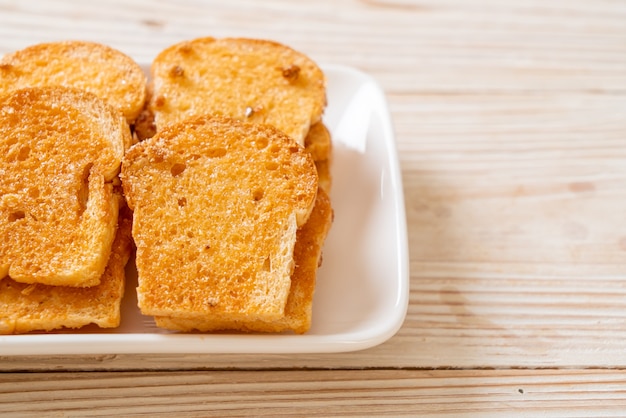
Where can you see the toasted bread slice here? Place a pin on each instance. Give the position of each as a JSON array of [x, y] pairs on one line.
[[144, 126], [60, 149], [254, 80], [99, 69], [298, 310], [325, 177], [37, 307], [217, 203], [318, 142]]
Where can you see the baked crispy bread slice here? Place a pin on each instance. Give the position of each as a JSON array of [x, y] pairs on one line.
[[324, 175], [248, 79], [298, 310], [144, 126], [318, 142], [60, 149], [217, 203], [37, 307], [99, 69]]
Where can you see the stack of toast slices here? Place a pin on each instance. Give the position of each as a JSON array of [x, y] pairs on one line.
[[216, 171]]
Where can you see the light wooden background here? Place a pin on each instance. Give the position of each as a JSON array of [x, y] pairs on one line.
[[510, 119]]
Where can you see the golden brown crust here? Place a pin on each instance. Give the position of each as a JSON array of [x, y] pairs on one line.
[[99, 69], [60, 149], [248, 79], [144, 125], [37, 307], [318, 142], [217, 203], [298, 310], [324, 175]]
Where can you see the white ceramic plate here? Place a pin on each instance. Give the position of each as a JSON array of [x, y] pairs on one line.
[[362, 289]]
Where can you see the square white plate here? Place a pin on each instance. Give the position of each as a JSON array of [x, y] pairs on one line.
[[362, 288]]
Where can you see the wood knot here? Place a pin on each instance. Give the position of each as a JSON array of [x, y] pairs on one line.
[[582, 187]]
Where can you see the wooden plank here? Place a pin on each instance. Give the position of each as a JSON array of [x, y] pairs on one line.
[[432, 46], [434, 393]]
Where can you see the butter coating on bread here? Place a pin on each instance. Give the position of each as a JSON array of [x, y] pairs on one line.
[[217, 203], [60, 150], [37, 307], [254, 80], [298, 310], [99, 69]]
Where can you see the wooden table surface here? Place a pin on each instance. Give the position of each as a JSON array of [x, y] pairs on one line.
[[510, 120]]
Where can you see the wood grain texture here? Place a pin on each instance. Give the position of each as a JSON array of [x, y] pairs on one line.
[[436, 393], [510, 119]]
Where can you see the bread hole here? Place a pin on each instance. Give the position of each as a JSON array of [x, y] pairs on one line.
[[267, 264], [24, 153], [157, 158], [182, 201], [17, 215], [177, 169], [271, 165], [177, 71], [293, 149], [33, 192], [291, 73], [185, 48], [275, 149], [83, 191], [190, 234], [261, 143], [215, 152], [195, 156], [257, 194], [159, 101]]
